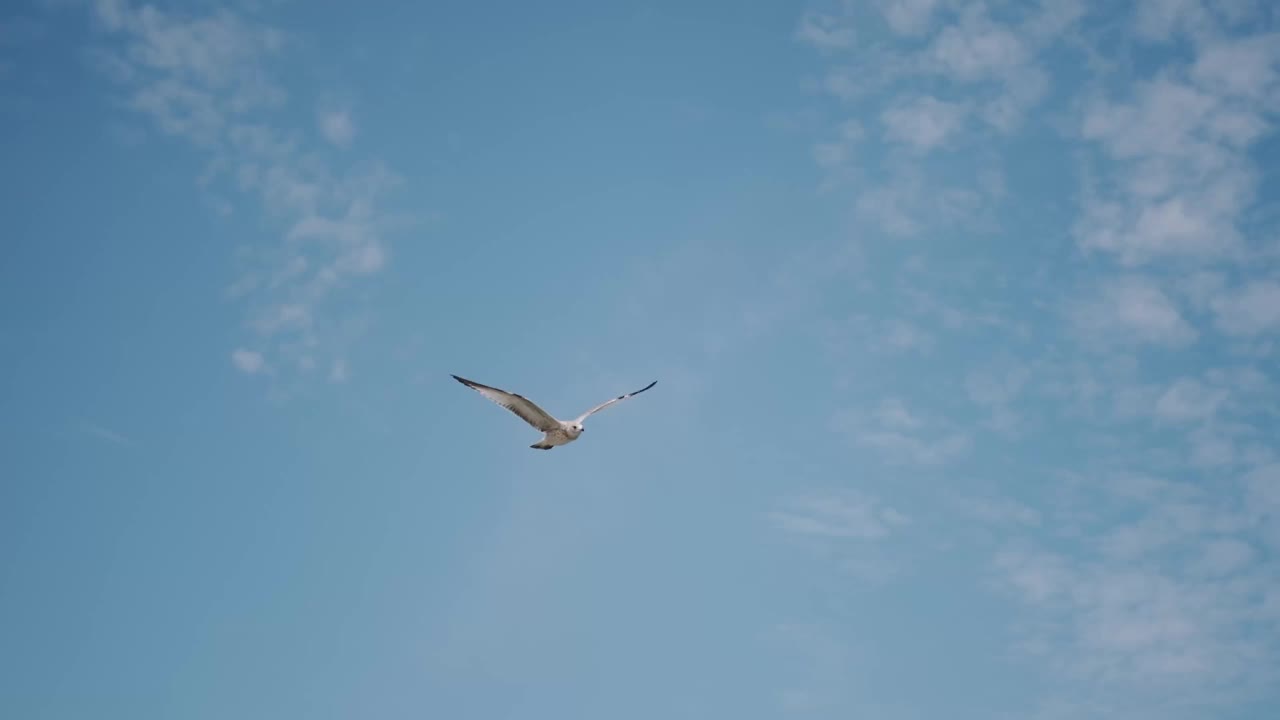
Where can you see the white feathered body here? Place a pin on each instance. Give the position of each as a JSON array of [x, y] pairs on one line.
[[562, 435]]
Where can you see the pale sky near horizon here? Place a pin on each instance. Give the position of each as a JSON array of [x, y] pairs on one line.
[[964, 318]]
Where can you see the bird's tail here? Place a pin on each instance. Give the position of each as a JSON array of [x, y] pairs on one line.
[[540, 446]]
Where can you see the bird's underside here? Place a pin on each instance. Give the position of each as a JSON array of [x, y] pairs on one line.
[[554, 432], [552, 439]]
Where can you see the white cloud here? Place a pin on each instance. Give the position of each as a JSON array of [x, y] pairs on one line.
[[1001, 511], [1023, 89], [1244, 68], [1185, 176], [1252, 309], [338, 371], [1133, 309], [338, 127], [1223, 557], [283, 318], [1189, 400], [839, 151], [1169, 639], [894, 414], [248, 362], [104, 433], [1135, 591], [997, 386], [1160, 19], [904, 436], [924, 123], [906, 205], [978, 48], [1263, 487], [873, 68], [908, 17], [1212, 449], [845, 514], [826, 32], [892, 208], [1151, 591], [913, 449], [903, 336], [205, 79], [995, 389], [1037, 576]]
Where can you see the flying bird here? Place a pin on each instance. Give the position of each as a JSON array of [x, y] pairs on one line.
[[554, 432]]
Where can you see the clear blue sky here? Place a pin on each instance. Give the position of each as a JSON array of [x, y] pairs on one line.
[[964, 318]]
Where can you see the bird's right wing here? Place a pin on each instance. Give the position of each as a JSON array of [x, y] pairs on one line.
[[607, 403], [527, 411]]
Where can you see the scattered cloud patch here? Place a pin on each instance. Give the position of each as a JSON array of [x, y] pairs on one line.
[[996, 389], [903, 436], [839, 152], [909, 205], [1133, 310], [977, 48], [104, 433], [1001, 511], [846, 514], [207, 79], [826, 32], [338, 127], [1180, 145], [338, 371], [248, 362], [1137, 394], [908, 17], [923, 123], [1189, 400], [1248, 310], [1170, 604]]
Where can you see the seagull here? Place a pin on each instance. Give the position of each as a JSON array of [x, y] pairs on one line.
[[554, 432]]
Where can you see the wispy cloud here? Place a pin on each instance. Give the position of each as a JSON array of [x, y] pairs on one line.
[[979, 52], [1248, 310], [1185, 179], [1000, 511], [922, 123], [1187, 399], [825, 31], [1133, 309], [207, 80], [996, 390], [858, 533], [909, 203], [338, 127], [1141, 568], [104, 433], [249, 362], [908, 17], [846, 514], [1164, 604], [902, 435]]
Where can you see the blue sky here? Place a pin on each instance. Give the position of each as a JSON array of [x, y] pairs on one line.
[[964, 319]]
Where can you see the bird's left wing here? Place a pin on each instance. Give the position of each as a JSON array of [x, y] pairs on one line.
[[620, 398], [517, 404]]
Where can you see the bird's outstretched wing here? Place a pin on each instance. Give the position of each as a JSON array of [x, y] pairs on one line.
[[604, 405], [527, 411]]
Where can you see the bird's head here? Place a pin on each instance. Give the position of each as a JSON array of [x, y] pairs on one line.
[[576, 428]]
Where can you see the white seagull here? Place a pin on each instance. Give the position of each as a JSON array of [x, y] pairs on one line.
[[555, 432]]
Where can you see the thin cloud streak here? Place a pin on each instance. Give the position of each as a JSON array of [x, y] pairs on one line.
[[104, 433]]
